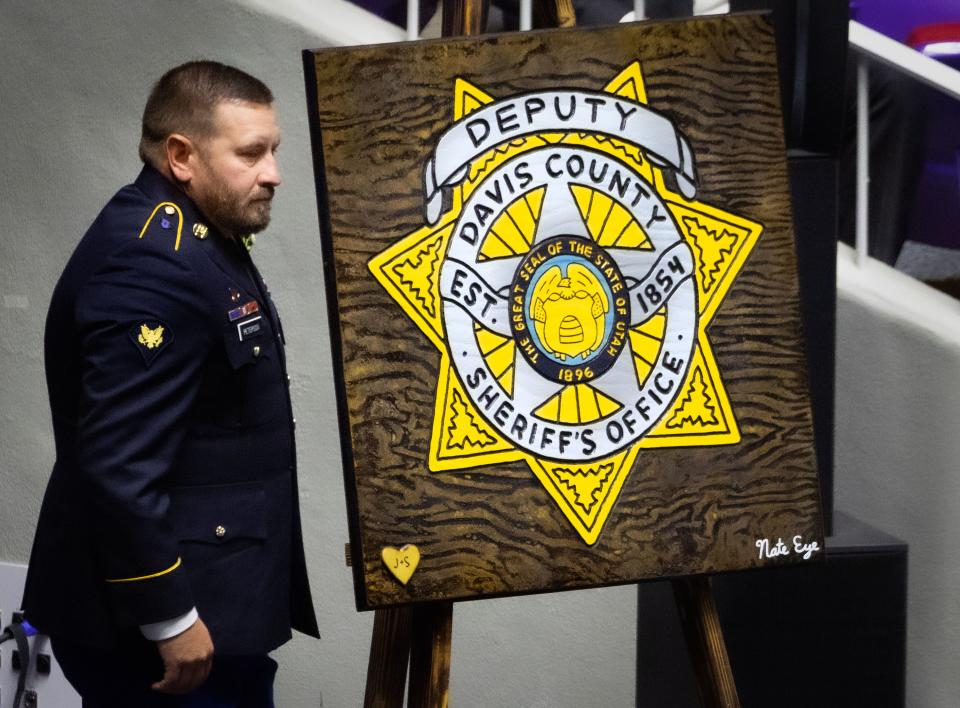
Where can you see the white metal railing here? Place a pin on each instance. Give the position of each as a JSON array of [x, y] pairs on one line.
[[871, 45], [413, 19], [526, 16]]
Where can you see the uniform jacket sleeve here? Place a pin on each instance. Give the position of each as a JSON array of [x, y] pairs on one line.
[[144, 334]]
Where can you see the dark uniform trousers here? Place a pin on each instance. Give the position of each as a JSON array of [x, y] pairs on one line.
[[234, 682], [175, 480]]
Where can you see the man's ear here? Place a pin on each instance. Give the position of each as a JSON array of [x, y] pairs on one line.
[[181, 157]]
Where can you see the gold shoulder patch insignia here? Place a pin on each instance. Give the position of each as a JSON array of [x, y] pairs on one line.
[[150, 338]]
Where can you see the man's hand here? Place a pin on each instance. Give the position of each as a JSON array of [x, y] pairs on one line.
[[187, 659]]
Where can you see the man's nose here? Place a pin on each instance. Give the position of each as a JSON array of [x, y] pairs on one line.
[[270, 175]]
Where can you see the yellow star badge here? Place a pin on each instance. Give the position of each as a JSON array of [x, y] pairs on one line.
[[568, 286]]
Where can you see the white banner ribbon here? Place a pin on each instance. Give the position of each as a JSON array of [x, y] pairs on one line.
[[555, 111], [461, 284], [658, 285]]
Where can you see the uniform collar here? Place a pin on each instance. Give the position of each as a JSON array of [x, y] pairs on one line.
[[152, 183], [155, 185]]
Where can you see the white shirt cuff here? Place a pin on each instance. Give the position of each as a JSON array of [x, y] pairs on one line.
[[155, 631]]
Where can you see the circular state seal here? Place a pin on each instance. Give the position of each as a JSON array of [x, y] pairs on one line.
[[544, 303], [570, 314]]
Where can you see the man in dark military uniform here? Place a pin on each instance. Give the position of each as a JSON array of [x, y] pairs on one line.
[[168, 558]]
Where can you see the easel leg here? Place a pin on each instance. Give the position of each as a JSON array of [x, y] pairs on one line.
[[389, 651], [701, 625], [554, 13], [464, 17], [430, 656]]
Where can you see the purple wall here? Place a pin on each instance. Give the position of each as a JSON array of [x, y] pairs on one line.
[[936, 207], [395, 11], [895, 18]]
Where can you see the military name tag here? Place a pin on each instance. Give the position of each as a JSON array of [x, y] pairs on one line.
[[250, 328]]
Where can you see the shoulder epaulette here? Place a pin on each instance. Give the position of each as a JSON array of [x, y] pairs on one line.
[[168, 213]]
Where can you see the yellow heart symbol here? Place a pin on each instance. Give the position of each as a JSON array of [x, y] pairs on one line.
[[401, 561]]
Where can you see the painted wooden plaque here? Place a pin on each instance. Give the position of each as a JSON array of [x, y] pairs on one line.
[[563, 298]]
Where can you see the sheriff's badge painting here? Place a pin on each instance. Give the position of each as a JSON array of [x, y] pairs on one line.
[[548, 305]]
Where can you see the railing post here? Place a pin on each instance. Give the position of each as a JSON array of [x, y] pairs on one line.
[[526, 14], [863, 158], [413, 19]]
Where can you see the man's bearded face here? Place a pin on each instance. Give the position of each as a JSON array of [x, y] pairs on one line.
[[236, 171]]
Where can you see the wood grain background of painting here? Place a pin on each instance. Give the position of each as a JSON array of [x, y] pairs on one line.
[[493, 530]]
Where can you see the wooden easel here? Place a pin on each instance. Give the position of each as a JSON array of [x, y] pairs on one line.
[[422, 635]]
